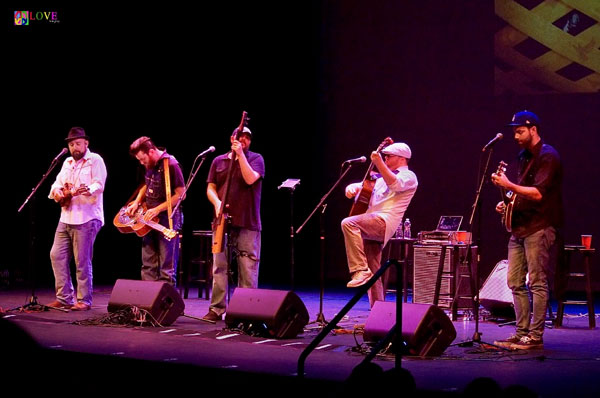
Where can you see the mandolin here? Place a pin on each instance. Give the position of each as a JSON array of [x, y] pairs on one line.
[[362, 199], [69, 193]]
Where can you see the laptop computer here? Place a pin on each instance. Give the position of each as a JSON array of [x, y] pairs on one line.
[[449, 223]]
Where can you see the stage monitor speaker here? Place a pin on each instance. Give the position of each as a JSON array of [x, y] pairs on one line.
[[495, 296], [276, 313], [160, 299], [426, 329]]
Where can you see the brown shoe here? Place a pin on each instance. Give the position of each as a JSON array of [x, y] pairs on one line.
[[212, 316], [58, 304], [81, 307]]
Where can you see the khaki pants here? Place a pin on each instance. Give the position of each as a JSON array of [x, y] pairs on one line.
[[364, 235]]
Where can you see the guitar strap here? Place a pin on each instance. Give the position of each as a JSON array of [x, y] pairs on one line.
[[522, 177], [168, 190]]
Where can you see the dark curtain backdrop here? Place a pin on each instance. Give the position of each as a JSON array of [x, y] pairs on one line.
[[322, 81]]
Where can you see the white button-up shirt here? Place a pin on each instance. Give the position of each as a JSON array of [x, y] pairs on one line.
[[91, 171], [391, 201]]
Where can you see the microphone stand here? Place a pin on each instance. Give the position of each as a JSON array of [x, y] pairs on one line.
[[290, 184], [475, 268], [320, 317], [33, 301]]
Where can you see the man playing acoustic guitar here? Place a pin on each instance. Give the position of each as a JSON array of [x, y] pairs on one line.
[[81, 217], [159, 254], [366, 234], [536, 219]]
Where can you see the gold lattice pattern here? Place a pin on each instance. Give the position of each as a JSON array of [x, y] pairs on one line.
[[547, 46]]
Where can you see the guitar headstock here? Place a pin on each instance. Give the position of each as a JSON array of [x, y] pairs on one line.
[[169, 233], [243, 123], [501, 168], [386, 142]]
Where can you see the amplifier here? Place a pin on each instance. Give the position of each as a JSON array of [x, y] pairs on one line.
[[426, 263]]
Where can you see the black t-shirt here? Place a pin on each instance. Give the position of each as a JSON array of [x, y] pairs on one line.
[[156, 192], [244, 199], [546, 175]]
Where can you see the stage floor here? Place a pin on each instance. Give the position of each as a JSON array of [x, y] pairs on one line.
[[200, 354]]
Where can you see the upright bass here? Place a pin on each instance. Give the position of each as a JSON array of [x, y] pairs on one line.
[[220, 223]]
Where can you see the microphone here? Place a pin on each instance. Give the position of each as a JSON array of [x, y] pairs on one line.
[[209, 150], [64, 150], [497, 138], [361, 159]]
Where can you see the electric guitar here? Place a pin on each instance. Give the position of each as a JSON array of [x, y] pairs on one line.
[[220, 222], [509, 198], [362, 199], [136, 223]]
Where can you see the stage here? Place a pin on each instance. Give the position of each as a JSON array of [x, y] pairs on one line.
[[192, 355]]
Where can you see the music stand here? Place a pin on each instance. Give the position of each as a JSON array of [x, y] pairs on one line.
[[33, 301], [320, 317], [290, 184]]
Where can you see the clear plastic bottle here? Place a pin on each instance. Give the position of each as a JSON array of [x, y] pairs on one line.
[[400, 231], [407, 234]]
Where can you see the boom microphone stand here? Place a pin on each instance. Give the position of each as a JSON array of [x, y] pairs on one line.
[[475, 269], [33, 301], [323, 206]]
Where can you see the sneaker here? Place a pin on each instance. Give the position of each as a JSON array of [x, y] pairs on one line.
[[359, 278], [528, 343], [507, 343], [212, 316]]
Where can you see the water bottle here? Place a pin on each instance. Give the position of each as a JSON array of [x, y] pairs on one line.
[[400, 231], [407, 229]]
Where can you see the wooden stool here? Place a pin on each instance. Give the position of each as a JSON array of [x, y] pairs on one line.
[[586, 255], [199, 267]]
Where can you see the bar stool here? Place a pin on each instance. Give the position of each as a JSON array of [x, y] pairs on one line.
[[199, 267], [398, 249], [461, 269], [586, 256]]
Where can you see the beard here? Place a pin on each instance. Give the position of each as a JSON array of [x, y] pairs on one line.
[[77, 155]]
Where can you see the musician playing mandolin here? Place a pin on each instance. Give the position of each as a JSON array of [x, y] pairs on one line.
[[366, 234], [159, 254], [536, 220], [81, 217], [243, 210]]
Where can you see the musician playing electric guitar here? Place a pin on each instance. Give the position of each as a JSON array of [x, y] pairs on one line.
[[241, 206], [537, 217], [164, 184], [366, 234]]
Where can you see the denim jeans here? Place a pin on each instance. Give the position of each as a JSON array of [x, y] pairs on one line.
[[246, 246], [159, 257], [363, 236], [74, 241], [532, 255]]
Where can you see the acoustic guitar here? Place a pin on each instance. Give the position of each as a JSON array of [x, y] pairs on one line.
[[509, 198], [362, 199], [220, 222], [136, 223]]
